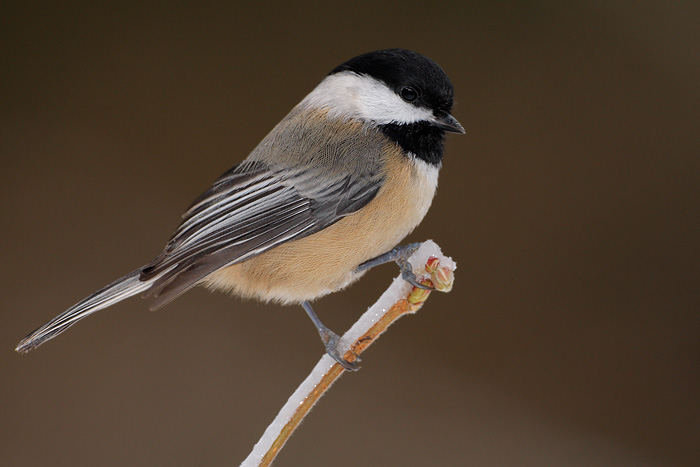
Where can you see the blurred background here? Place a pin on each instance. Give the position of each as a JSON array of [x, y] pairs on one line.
[[571, 206]]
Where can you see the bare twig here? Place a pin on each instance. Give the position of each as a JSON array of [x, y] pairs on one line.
[[399, 299]]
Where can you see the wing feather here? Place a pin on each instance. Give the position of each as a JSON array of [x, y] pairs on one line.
[[247, 213], [297, 181]]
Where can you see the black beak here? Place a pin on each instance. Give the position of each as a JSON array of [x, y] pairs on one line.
[[448, 123]]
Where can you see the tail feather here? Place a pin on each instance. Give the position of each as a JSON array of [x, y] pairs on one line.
[[117, 291]]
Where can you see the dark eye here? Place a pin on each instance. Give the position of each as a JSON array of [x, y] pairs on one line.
[[409, 94]]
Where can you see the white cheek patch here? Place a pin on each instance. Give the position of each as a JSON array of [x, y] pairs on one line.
[[348, 95]]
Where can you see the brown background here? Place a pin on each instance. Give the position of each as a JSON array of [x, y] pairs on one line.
[[571, 205]]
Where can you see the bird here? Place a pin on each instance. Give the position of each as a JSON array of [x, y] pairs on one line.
[[330, 192]]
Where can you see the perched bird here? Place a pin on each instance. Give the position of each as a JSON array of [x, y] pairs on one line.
[[327, 194]]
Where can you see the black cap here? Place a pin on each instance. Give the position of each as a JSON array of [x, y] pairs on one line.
[[401, 68]]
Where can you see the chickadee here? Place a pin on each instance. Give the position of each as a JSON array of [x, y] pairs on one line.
[[327, 194]]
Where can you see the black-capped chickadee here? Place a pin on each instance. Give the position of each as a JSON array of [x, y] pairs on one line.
[[328, 193]]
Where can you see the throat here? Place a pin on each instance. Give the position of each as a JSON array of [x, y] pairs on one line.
[[422, 139]]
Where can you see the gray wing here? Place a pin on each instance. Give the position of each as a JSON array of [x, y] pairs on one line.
[[249, 210]]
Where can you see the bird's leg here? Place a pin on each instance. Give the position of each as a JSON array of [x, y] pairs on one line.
[[330, 340], [400, 256]]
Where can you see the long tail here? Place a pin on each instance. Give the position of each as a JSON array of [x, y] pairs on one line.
[[117, 291]]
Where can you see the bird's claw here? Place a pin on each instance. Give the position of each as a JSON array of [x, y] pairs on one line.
[[400, 255], [408, 275], [331, 339]]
